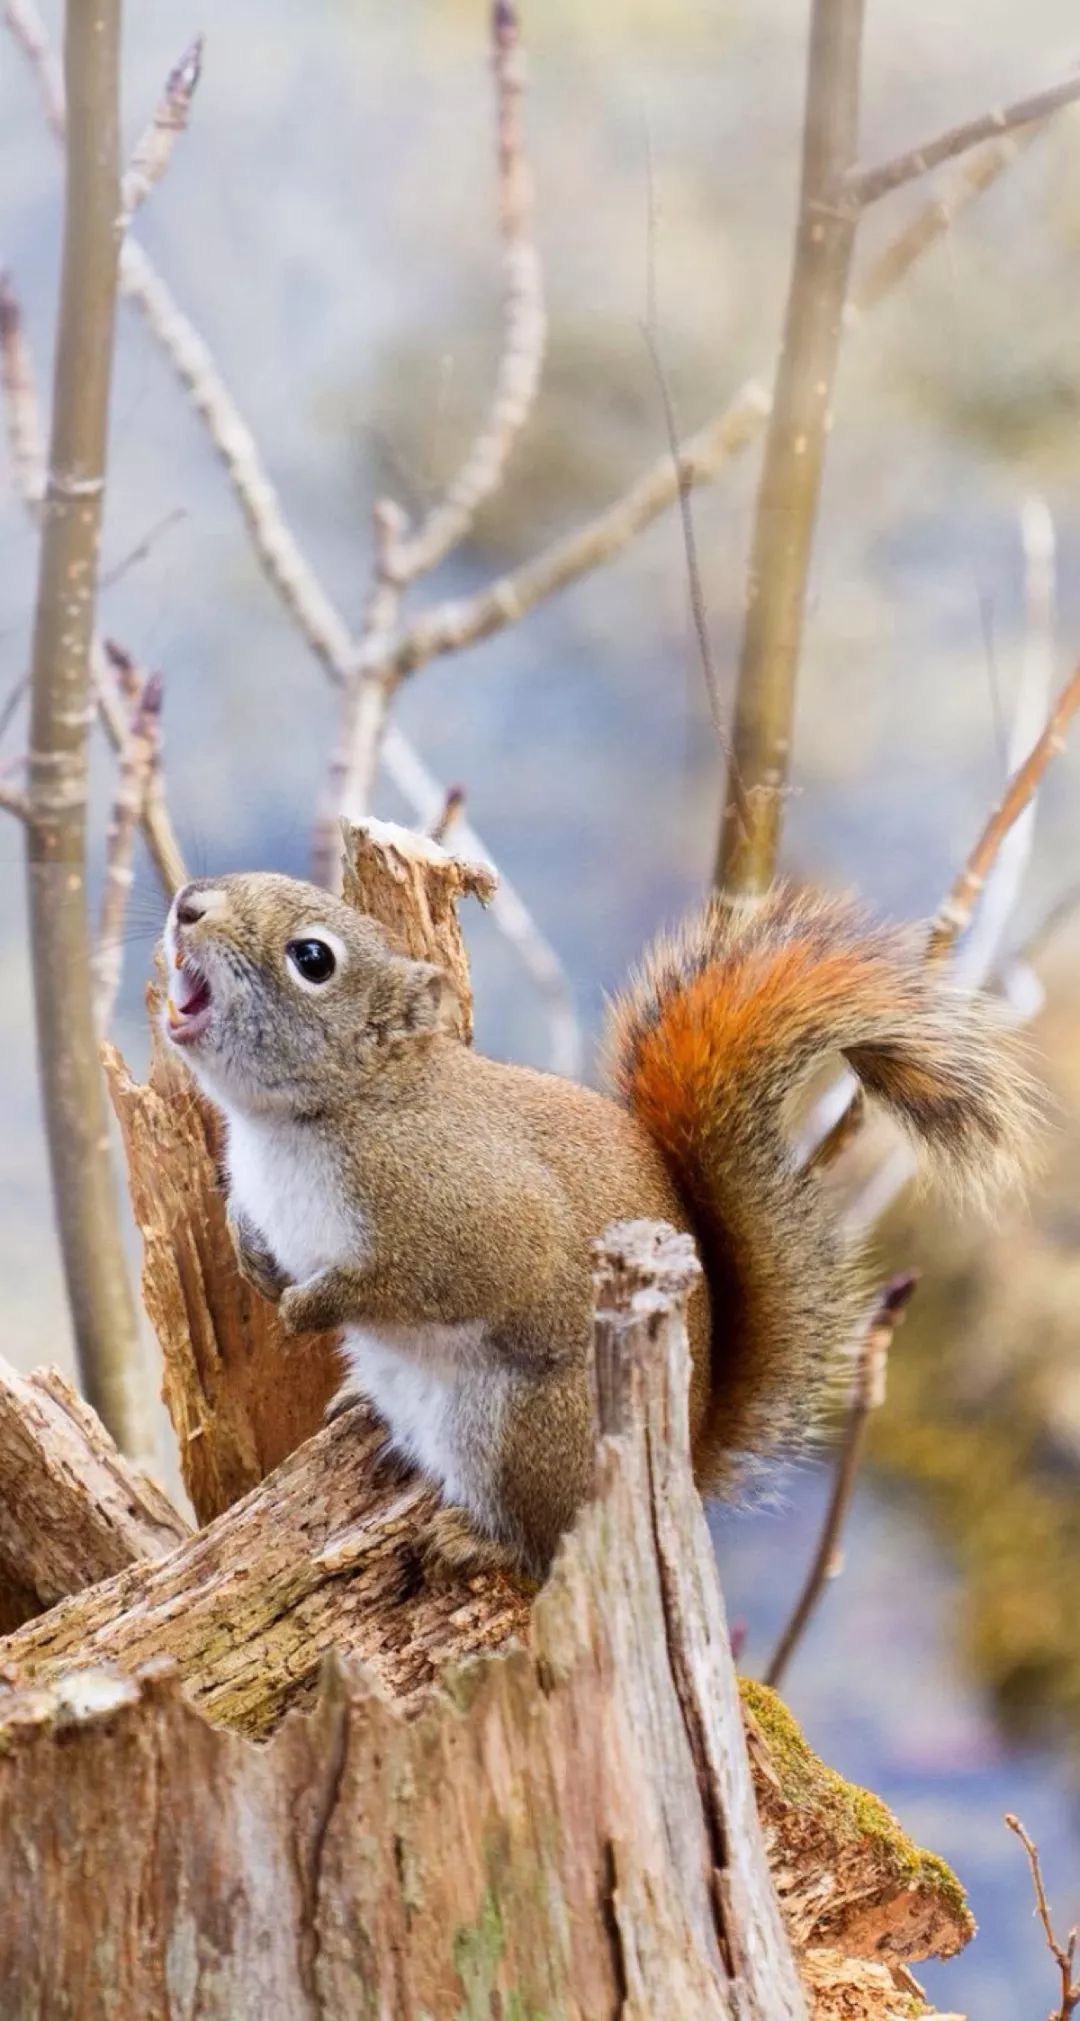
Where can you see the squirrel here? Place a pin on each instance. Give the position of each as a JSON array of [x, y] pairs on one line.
[[440, 1207]]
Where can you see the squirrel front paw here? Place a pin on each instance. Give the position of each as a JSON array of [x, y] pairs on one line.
[[254, 1261], [322, 1302]]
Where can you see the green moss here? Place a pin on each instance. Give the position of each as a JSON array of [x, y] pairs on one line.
[[847, 1810], [478, 1947]]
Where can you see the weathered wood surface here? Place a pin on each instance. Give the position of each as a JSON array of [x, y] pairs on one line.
[[568, 1820], [72, 1508], [413, 887]]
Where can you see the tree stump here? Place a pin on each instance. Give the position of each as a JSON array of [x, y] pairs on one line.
[[282, 1769]]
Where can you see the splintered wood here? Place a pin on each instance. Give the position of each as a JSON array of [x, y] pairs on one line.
[[576, 1798], [73, 1510]]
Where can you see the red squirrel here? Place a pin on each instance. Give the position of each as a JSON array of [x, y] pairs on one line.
[[440, 1207]]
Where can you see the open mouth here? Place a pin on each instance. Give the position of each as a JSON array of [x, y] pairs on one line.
[[189, 1003]]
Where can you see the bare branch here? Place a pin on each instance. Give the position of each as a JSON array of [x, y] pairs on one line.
[[21, 409], [28, 29], [1064, 1955], [453, 808], [957, 908], [154, 147], [506, 907], [703, 456], [863, 186], [293, 578], [110, 664], [10, 708], [103, 1312], [983, 943], [839, 1114], [350, 776], [17, 382], [867, 1393], [465, 621], [518, 374], [12, 801], [399, 558], [319, 622], [136, 765], [839, 1134], [794, 459]]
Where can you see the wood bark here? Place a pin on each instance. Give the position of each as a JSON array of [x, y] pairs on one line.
[[73, 1510], [564, 1825]]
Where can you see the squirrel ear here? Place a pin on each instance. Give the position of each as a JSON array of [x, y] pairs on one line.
[[429, 1001]]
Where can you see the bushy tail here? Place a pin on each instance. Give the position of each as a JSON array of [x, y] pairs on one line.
[[721, 1025]]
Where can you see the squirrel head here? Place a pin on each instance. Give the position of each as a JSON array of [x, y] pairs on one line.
[[283, 998]]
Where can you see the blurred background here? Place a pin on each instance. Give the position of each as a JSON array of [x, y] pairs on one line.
[[329, 223]]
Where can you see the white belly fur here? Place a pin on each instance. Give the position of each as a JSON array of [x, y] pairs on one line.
[[417, 1377], [281, 1177], [283, 1180]]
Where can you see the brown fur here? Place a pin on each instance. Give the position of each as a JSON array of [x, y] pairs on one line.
[[477, 1188], [713, 1037]]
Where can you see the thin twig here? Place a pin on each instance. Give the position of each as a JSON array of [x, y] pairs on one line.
[[841, 1133], [976, 957], [21, 408], [864, 186], [465, 621], [153, 149], [1064, 1955], [102, 1308], [955, 912], [453, 809], [23, 422], [113, 668], [320, 623], [794, 459], [29, 31], [651, 333], [350, 776], [110, 576], [11, 706], [279, 554], [876, 1194], [867, 1393], [14, 802], [703, 456], [136, 765], [521, 359], [400, 558], [934, 218]]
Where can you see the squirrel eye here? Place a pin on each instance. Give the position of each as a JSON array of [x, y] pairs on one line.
[[312, 959]]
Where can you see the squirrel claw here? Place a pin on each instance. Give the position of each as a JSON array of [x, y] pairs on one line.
[[344, 1399], [452, 1545], [255, 1264]]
